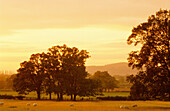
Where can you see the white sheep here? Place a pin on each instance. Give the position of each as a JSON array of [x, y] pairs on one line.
[[28, 104], [35, 104], [121, 107], [135, 105], [1, 103], [72, 104], [126, 107]]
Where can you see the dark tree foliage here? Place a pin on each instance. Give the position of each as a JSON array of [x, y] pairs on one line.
[[60, 71], [106, 80], [30, 76], [153, 81], [72, 69], [138, 89], [24, 73], [51, 70], [89, 87]]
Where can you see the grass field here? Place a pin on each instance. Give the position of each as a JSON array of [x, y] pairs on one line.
[[44, 96], [117, 94], [16, 105]]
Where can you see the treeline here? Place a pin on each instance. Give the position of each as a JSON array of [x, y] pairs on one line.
[[106, 82], [61, 70]]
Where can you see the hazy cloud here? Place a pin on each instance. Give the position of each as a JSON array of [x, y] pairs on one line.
[[99, 26], [33, 14]]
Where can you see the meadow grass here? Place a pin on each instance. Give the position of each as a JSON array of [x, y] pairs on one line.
[[124, 94], [17, 105], [46, 105], [33, 95]]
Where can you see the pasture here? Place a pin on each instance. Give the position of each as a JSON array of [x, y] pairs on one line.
[[44, 96], [17, 105]]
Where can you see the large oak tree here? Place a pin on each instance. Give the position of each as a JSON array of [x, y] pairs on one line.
[[153, 58]]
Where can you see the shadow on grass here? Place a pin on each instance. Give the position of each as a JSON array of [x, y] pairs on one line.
[[158, 107]]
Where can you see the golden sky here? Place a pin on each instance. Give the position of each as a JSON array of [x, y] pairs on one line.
[[99, 26]]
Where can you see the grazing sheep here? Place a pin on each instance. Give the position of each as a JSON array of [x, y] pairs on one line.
[[28, 104], [121, 107], [35, 104], [1, 103], [72, 104], [135, 105], [12, 107], [126, 107]]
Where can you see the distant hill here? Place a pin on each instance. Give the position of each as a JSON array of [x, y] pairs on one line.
[[121, 68]]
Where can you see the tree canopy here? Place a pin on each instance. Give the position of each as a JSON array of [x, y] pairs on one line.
[[105, 80], [61, 71], [153, 58], [30, 76]]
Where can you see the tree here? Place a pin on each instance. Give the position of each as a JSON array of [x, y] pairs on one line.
[[61, 71], [138, 89], [51, 67], [30, 76], [107, 81], [72, 69], [89, 87], [153, 59]]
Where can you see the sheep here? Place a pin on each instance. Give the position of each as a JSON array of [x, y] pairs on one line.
[[72, 104], [121, 107], [135, 105], [126, 107], [1, 103], [35, 104], [28, 104], [12, 107]]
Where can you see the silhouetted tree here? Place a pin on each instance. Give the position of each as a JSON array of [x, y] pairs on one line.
[[61, 71], [57, 54], [107, 81], [154, 55], [51, 69], [89, 87], [72, 68], [138, 89], [30, 76]]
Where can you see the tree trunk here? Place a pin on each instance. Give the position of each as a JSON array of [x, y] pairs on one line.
[[50, 95], [38, 95], [71, 97], [61, 96], [58, 96], [75, 97]]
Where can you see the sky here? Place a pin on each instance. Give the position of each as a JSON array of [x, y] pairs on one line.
[[99, 26]]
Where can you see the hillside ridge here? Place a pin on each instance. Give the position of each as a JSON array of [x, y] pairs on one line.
[[120, 68]]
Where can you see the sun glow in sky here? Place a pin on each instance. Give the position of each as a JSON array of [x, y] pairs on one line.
[[99, 26]]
